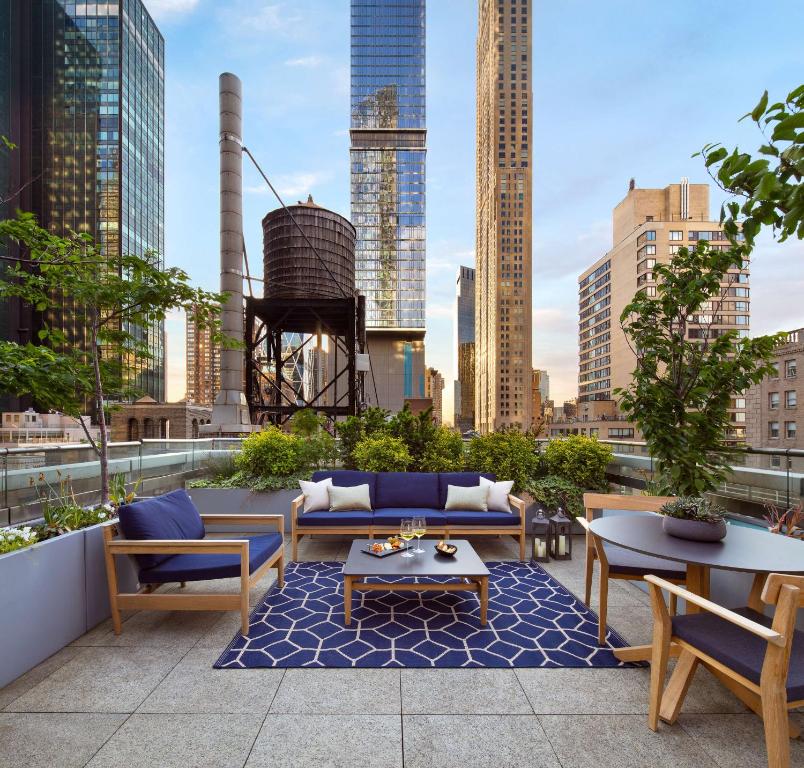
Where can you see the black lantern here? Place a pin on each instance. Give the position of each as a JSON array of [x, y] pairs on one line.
[[541, 537], [560, 536]]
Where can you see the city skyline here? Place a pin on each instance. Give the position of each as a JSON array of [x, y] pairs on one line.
[[294, 61]]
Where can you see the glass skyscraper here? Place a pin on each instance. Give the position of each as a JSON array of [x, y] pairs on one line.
[[388, 135], [82, 95]]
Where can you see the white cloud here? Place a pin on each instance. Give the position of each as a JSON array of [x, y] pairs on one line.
[[259, 18], [161, 9], [292, 185], [304, 62]]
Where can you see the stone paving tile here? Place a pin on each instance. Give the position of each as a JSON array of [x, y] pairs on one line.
[[193, 686], [462, 691], [476, 741], [180, 741], [735, 741], [100, 680], [621, 741], [614, 691], [53, 740], [36, 675], [221, 633], [334, 741], [339, 691]]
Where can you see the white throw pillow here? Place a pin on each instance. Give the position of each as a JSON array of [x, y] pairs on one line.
[[342, 498], [316, 495], [498, 493], [473, 498]]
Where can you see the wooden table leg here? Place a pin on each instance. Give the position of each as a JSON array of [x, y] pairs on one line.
[[484, 598], [347, 600], [697, 582]]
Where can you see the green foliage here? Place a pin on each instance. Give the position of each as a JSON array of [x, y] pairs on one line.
[[318, 445], [581, 460], [61, 512], [12, 539], [768, 188], [554, 491], [241, 479], [306, 423], [681, 389], [271, 453], [694, 508], [354, 428], [443, 453], [382, 453], [510, 455]]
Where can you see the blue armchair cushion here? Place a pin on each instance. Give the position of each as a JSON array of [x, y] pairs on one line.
[[393, 515], [348, 478], [325, 518], [473, 517], [200, 567], [628, 563], [407, 489], [170, 516], [464, 479], [740, 650]]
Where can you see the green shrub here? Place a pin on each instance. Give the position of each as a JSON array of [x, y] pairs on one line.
[[553, 492], [318, 445], [510, 455], [443, 453], [271, 452], [381, 453], [581, 460], [354, 428]]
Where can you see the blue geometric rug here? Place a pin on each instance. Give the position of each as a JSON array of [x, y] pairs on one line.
[[533, 621]]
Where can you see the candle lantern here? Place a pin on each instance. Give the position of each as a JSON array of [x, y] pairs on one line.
[[541, 537], [560, 536]]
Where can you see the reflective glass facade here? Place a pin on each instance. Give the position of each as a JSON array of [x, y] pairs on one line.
[[388, 159]]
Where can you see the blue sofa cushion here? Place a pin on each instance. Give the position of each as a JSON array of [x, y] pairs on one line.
[[464, 479], [473, 517], [200, 567], [393, 515], [324, 518], [348, 478], [407, 489], [170, 516], [629, 563], [740, 650]]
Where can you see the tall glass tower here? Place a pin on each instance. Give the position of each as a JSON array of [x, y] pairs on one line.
[[82, 95], [388, 135]]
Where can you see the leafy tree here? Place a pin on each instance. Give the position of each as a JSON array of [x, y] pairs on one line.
[[417, 431], [770, 185], [681, 389], [579, 459], [382, 453], [354, 428], [319, 445], [444, 452], [118, 295], [509, 454]]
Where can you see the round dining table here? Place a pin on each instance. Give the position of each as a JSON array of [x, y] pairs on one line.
[[743, 549]]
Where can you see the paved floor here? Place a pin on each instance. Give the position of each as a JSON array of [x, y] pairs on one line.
[[150, 698]]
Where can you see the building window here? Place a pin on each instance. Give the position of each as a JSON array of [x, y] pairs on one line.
[[790, 430], [621, 432], [676, 234], [790, 369], [775, 374], [773, 429], [790, 399], [773, 400]]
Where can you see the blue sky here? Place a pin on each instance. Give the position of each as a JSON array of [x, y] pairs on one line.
[[621, 89]]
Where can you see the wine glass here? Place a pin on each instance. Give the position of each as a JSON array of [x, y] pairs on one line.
[[406, 533], [419, 529]]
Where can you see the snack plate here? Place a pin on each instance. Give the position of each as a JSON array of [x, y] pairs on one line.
[[385, 552], [451, 553]]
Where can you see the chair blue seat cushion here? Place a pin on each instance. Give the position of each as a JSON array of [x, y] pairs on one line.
[[393, 516], [170, 516], [463, 479], [629, 563], [348, 478], [200, 567], [738, 649], [473, 517], [324, 518], [407, 489]]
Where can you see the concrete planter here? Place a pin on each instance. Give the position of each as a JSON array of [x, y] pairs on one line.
[[242, 501]]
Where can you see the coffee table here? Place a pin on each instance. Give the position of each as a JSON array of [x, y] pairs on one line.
[[465, 565]]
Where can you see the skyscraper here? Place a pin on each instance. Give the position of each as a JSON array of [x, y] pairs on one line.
[[465, 349], [433, 388], [203, 364], [388, 134], [649, 226], [82, 96], [503, 311]]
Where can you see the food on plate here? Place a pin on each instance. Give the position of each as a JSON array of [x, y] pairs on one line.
[[377, 548], [395, 542], [445, 548]]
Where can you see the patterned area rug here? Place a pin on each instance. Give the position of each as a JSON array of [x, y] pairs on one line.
[[533, 621]]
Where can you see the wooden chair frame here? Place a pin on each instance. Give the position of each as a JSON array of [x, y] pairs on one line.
[[456, 531], [769, 698], [596, 551], [148, 599]]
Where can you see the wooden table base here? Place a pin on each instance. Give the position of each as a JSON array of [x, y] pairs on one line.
[[479, 584]]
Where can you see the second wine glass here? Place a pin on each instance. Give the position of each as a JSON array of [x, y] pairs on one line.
[[419, 529], [406, 533]]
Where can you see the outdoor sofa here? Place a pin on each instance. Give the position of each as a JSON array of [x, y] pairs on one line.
[[398, 495]]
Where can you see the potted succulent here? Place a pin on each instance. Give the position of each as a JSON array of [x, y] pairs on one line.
[[694, 518]]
